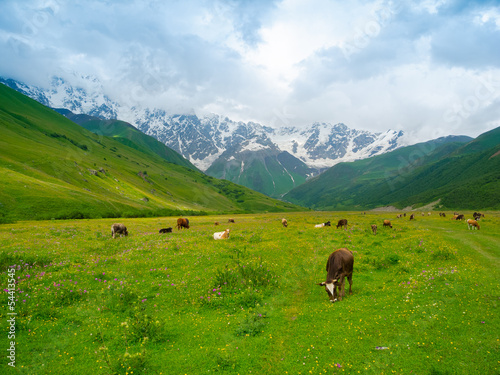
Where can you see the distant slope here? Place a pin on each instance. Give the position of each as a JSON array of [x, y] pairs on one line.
[[461, 175], [51, 167], [269, 170], [127, 134]]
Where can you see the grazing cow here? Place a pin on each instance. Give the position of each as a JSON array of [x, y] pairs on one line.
[[182, 223], [221, 235], [460, 217], [374, 229], [412, 216], [342, 223], [387, 223], [118, 229], [216, 223], [339, 266], [327, 224], [230, 221], [166, 230], [477, 215], [473, 224], [284, 222], [404, 214], [442, 214], [399, 216]]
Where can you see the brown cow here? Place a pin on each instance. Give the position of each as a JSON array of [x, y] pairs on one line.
[[216, 223], [340, 265], [230, 221], [166, 230], [342, 223], [374, 229], [473, 224], [460, 217], [182, 223], [477, 215], [284, 222], [118, 229], [387, 223]]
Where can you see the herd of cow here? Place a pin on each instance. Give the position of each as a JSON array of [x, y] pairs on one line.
[[340, 263]]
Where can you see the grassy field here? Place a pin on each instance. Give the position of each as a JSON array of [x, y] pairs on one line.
[[425, 296]]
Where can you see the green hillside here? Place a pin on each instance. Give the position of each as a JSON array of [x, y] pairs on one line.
[[268, 171], [51, 167], [460, 175], [127, 134]]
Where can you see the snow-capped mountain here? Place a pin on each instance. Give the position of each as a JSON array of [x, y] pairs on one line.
[[203, 140], [243, 152]]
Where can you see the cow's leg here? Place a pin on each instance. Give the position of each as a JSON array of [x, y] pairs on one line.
[[341, 290], [349, 278]]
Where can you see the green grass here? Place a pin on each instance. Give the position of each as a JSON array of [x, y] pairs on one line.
[[182, 303]]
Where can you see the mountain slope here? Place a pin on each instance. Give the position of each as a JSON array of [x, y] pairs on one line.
[[51, 167], [127, 134], [413, 175], [262, 167]]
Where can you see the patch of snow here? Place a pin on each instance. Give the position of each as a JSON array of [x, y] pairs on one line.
[[253, 146]]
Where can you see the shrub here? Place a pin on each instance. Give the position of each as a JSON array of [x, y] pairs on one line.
[[392, 259], [252, 325], [443, 254]]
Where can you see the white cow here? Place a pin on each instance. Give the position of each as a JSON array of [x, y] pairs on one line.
[[327, 224], [221, 235]]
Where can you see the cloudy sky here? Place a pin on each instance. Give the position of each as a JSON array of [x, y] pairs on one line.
[[429, 67]]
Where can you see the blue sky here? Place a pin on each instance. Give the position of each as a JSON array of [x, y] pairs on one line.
[[430, 68]]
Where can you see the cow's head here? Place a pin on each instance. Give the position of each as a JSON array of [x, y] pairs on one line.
[[126, 233], [330, 288], [328, 224]]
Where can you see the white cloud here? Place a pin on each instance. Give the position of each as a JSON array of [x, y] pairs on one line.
[[373, 65]]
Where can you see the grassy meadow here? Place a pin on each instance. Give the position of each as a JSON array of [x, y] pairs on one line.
[[425, 296]]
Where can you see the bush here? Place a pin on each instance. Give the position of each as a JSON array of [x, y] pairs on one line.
[[252, 325], [392, 259], [443, 254]]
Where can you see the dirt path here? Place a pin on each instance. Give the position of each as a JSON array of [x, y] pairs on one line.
[[482, 243]]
